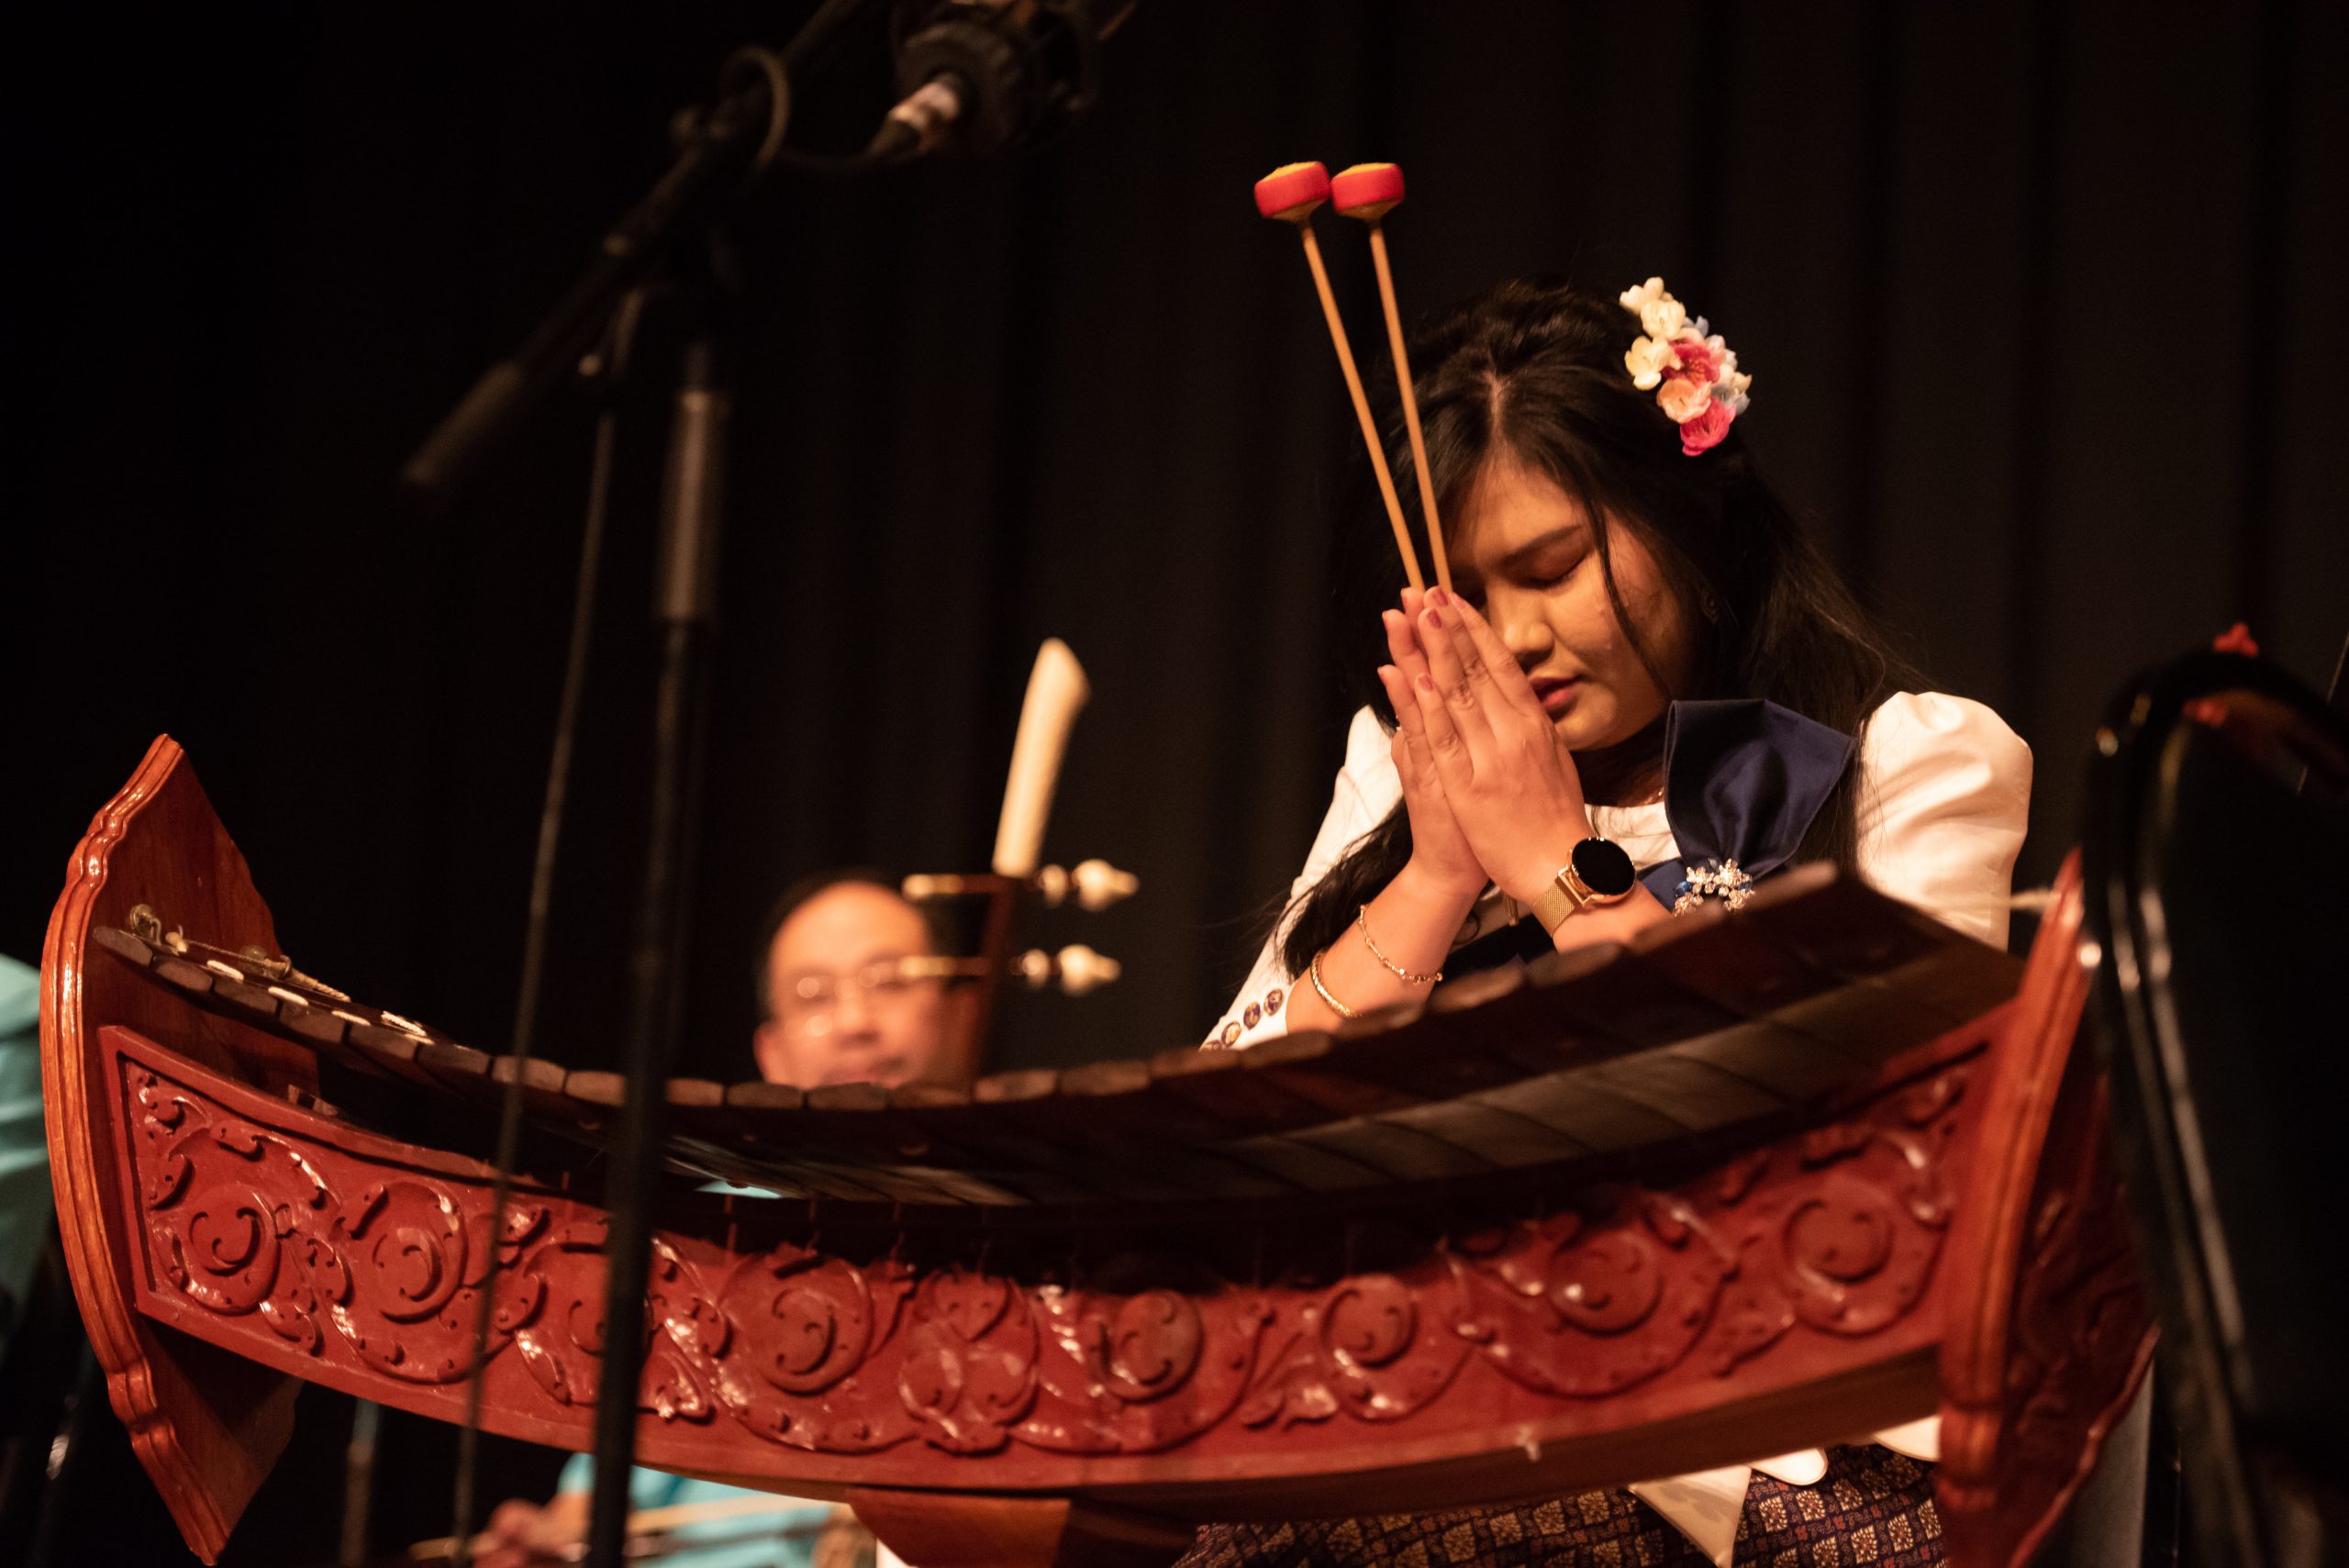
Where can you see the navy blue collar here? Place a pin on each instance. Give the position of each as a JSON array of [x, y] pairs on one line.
[[1743, 780]]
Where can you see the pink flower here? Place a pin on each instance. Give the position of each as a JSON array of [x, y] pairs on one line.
[[1697, 360], [1685, 399], [1707, 429]]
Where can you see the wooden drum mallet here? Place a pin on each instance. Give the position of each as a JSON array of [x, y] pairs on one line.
[[1369, 192], [1290, 193]]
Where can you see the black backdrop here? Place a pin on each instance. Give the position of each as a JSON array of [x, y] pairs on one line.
[[2041, 300]]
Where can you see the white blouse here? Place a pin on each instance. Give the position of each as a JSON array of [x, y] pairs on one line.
[[1944, 797]]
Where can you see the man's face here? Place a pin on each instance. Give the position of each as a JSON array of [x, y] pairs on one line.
[[837, 1011]]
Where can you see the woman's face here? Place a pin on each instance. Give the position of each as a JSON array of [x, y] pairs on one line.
[[1522, 550]]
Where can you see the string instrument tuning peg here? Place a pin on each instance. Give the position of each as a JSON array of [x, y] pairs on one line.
[[1097, 884], [1077, 968]]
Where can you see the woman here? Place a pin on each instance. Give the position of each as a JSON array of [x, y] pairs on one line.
[[1649, 690]]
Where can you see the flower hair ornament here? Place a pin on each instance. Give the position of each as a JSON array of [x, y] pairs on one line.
[[1694, 374]]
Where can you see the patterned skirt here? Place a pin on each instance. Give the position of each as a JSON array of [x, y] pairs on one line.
[[1872, 1509]]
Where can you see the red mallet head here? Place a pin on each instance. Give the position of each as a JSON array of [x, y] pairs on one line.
[[1368, 191], [1292, 191]]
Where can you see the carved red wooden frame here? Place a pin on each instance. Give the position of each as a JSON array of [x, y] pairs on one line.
[[1789, 1287]]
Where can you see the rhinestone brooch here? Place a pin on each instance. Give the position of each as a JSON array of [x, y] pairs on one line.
[[1724, 879]]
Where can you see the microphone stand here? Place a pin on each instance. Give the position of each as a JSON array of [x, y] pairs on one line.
[[722, 152], [685, 598]]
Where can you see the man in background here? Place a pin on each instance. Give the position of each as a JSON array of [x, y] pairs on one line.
[[853, 989]]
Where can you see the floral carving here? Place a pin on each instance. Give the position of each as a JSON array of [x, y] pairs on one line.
[[1593, 1306], [1365, 1347], [970, 1366], [2081, 1318], [1141, 1373], [555, 1316], [381, 1268]]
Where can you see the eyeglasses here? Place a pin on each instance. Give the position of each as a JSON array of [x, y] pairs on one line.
[[885, 984]]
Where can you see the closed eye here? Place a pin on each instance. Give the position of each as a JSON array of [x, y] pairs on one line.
[[1550, 573], [1549, 561]]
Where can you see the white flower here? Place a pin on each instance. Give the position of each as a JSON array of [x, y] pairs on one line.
[[1663, 317], [1654, 362], [1639, 298], [1647, 359]]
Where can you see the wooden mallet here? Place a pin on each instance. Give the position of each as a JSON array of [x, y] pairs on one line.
[[1369, 192], [1290, 193]]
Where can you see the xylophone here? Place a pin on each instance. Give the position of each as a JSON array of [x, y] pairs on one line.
[[1758, 1181]]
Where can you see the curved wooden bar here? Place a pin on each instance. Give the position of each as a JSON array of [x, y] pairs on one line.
[[1635, 1213], [208, 1426], [2048, 1343]]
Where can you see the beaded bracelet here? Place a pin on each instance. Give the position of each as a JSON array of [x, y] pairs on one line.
[[1362, 919]]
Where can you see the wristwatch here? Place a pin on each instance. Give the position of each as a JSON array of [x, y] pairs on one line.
[[1600, 872]]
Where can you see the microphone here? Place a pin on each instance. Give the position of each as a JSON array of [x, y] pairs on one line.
[[987, 76]]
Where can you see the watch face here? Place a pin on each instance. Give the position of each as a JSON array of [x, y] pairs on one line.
[[1604, 868]]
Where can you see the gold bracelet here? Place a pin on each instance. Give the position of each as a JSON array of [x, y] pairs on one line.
[[1313, 972], [1361, 918]]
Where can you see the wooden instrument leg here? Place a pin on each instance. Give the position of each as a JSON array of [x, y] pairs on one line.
[[945, 1530], [2048, 1328]]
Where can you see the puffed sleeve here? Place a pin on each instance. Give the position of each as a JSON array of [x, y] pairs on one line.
[[1946, 796], [1366, 790]]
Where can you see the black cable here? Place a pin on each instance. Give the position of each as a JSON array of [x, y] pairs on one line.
[[607, 368]]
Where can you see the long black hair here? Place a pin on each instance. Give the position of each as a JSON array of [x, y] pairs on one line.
[[1534, 370]]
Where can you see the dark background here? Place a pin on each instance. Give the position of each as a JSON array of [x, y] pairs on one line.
[[2042, 302]]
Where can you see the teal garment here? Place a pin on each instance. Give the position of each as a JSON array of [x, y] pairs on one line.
[[737, 1542], [25, 1206]]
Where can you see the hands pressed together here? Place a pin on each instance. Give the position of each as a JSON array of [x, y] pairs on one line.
[[1493, 795], [1491, 792]]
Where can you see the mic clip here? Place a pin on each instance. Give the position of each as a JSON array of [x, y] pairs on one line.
[[984, 76]]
